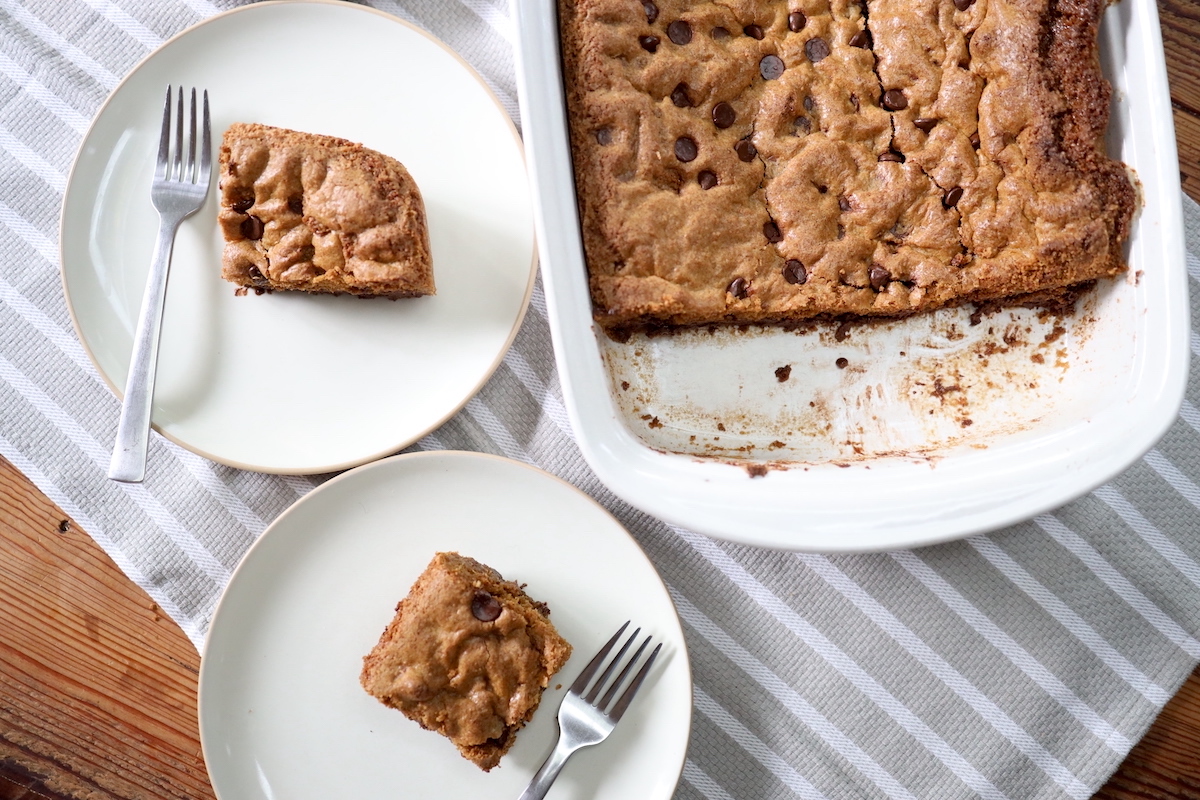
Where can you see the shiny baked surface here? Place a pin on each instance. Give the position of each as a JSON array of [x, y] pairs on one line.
[[769, 161]]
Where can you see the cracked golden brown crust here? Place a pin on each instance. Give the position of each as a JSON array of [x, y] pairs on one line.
[[876, 210], [315, 213], [476, 682]]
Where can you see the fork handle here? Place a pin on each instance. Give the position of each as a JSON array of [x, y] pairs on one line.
[[128, 462], [546, 774]]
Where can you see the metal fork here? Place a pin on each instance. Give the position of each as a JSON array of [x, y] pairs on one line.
[[584, 721], [178, 191]]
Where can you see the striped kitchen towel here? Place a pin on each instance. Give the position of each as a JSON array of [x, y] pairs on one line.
[[1020, 664]]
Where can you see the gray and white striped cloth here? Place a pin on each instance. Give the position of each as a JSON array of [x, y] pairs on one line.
[[1021, 664]]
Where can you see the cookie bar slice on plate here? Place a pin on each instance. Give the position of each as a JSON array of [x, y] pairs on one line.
[[468, 654], [315, 213]]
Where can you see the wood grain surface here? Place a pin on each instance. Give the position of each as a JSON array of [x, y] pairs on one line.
[[98, 686], [1181, 41]]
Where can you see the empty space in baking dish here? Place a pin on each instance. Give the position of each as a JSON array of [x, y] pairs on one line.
[[913, 387]]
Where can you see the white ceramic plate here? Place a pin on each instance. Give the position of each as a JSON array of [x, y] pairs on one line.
[[281, 712], [933, 428], [287, 382]]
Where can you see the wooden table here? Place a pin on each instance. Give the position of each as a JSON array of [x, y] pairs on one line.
[[98, 686]]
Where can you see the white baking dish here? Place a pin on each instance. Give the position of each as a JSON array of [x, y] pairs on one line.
[[932, 428]]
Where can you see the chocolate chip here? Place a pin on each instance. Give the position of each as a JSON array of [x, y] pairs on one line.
[[844, 202], [879, 276], [484, 607], [816, 49], [797, 21], [842, 363], [894, 100], [723, 115], [861, 39], [925, 123], [739, 288], [746, 150], [604, 136], [296, 204], [809, 103], [772, 232], [952, 197], [707, 179], [685, 148], [243, 203], [771, 67], [794, 272], [783, 373], [754, 32], [892, 155], [651, 11], [963, 5], [854, 101], [680, 32], [975, 140], [257, 278], [720, 34], [803, 124], [648, 43], [679, 96], [252, 228]]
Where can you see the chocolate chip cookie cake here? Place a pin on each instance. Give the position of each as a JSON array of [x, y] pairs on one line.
[[468, 655], [779, 160], [315, 213]]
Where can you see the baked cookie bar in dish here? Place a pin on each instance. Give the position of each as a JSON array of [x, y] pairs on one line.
[[779, 160], [319, 214], [468, 655]]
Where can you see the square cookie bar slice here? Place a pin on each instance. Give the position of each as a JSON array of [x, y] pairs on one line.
[[467, 655], [315, 213]]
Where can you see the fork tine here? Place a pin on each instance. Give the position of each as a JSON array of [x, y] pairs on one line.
[[177, 171], [616, 684], [582, 681], [189, 174], [164, 140], [603, 679], [205, 145], [634, 685]]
